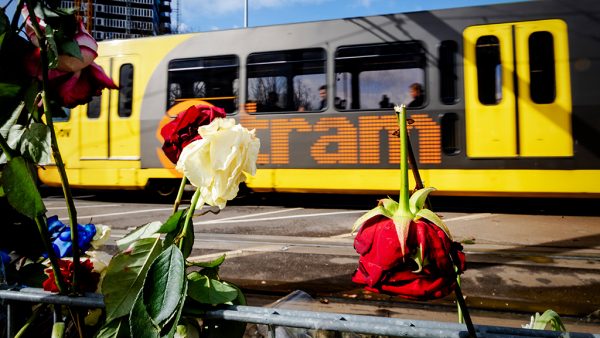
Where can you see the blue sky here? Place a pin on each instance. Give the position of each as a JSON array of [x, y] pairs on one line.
[[207, 15]]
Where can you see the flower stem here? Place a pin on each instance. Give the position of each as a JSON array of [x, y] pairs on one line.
[[55, 150], [43, 229], [404, 195], [179, 194], [34, 316], [188, 217]]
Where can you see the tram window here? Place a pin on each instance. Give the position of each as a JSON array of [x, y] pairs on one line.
[[93, 107], [489, 69], [285, 80], [125, 90], [447, 65], [212, 79], [541, 67], [378, 76]]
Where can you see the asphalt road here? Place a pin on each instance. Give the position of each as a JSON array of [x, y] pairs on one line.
[[524, 255]]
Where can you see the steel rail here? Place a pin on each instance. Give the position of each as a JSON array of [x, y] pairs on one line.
[[312, 320]]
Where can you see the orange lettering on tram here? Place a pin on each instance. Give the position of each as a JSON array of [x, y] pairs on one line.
[[369, 131], [430, 139], [280, 137], [340, 147], [251, 122]]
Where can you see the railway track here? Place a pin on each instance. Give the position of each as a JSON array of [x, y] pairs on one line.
[[518, 263]]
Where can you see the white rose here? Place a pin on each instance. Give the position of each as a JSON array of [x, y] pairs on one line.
[[220, 161], [102, 235]]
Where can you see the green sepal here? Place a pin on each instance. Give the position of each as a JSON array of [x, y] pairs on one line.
[[418, 198], [387, 207], [420, 259], [435, 219], [548, 317], [402, 224]]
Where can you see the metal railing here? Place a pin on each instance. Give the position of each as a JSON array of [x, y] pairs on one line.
[[312, 320]]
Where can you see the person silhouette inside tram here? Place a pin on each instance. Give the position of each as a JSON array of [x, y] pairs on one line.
[[416, 92]]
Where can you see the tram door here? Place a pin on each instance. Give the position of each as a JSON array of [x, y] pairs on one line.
[[517, 90], [109, 129]]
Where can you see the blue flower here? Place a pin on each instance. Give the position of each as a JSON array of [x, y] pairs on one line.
[[60, 235], [5, 257]]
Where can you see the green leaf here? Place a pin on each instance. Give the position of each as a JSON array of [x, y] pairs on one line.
[[386, 208], [70, 47], [125, 276], [150, 229], [33, 275], [9, 89], [209, 291], [35, 143], [212, 264], [52, 47], [13, 140], [140, 323], [20, 189], [144, 231], [172, 325], [173, 222], [402, 224], [12, 120], [418, 198], [117, 328], [435, 219], [163, 288]]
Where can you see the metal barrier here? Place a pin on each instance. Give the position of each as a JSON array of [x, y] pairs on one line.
[[328, 321]]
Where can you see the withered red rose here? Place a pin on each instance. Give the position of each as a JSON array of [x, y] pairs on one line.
[[87, 278], [384, 268], [71, 88], [183, 130]]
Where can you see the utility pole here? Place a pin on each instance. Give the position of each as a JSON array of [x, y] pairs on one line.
[[245, 13]]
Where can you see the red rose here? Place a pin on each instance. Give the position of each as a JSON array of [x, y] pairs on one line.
[[383, 267], [79, 87], [88, 279], [71, 89], [183, 130]]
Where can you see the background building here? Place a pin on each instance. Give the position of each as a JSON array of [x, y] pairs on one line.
[[122, 19]]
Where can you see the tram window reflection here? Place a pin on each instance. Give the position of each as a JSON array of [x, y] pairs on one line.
[[285, 81], [211, 79], [377, 76]]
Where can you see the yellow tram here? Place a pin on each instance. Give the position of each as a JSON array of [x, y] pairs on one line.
[[510, 102]]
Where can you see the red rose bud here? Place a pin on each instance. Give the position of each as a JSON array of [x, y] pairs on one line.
[[87, 279], [183, 130]]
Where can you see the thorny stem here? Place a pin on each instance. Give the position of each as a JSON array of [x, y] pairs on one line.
[[43, 229], [179, 194], [56, 152], [188, 217]]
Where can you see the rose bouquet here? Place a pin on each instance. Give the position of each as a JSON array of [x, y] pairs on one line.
[[150, 288]]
